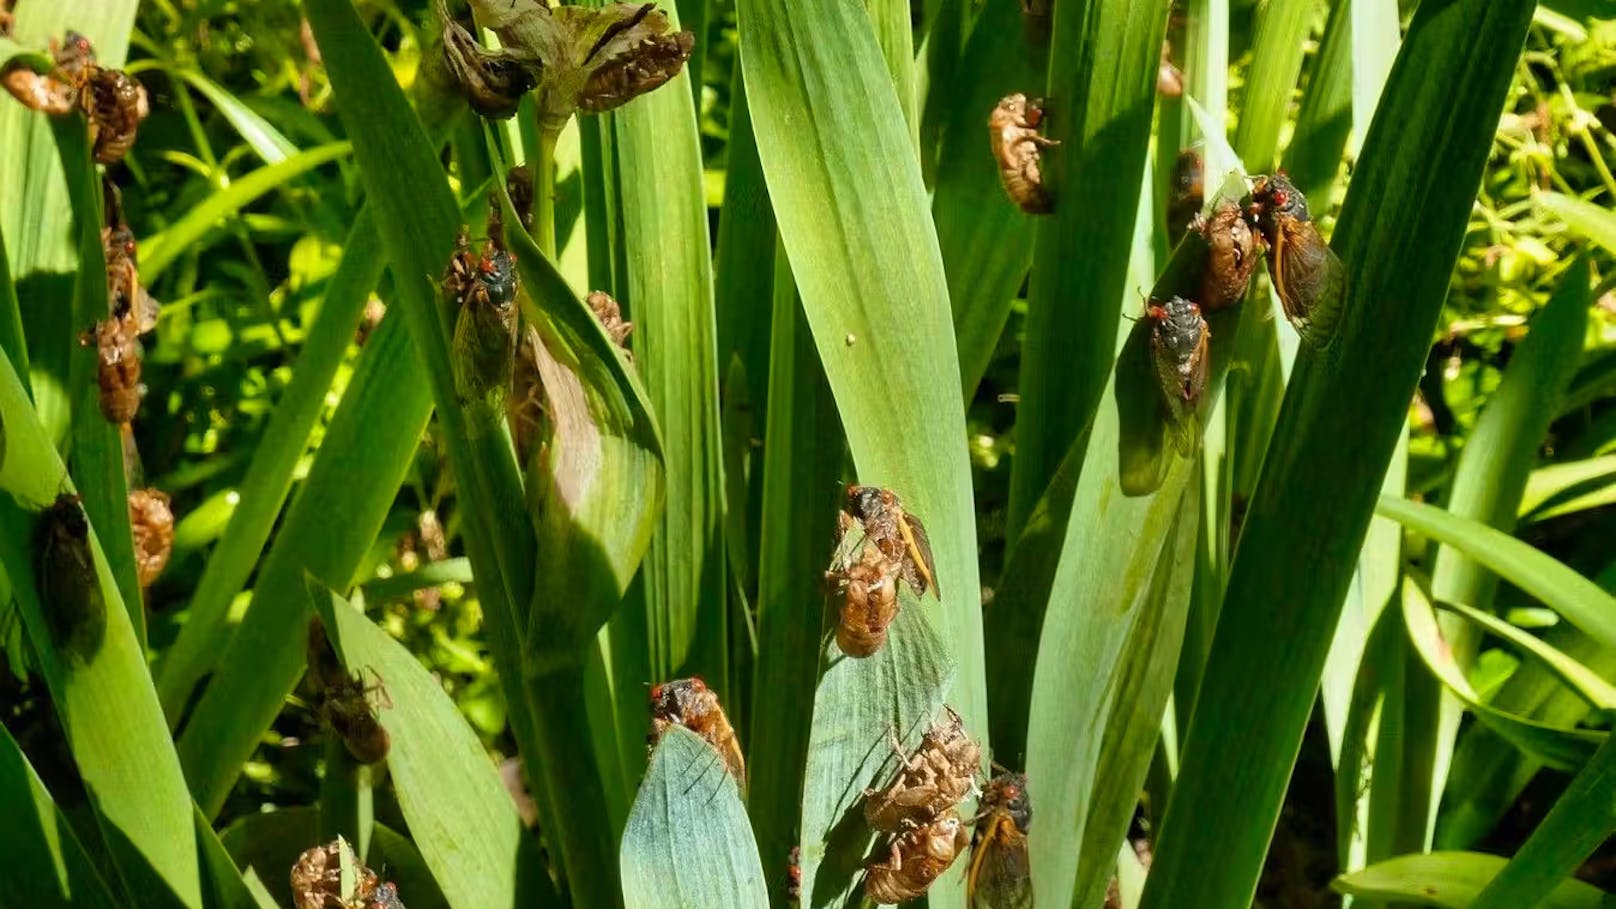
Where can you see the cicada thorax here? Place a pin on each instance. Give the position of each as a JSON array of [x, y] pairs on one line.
[[1232, 252], [151, 521], [691, 704], [915, 859], [117, 369], [1000, 874], [75, 610], [1307, 275], [1017, 146]]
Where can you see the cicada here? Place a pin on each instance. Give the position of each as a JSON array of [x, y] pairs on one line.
[[483, 288], [117, 372], [1178, 345], [1169, 78], [519, 186], [318, 878], [1000, 876], [1018, 147], [691, 704], [1232, 249], [151, 520], [916, 858], [385, 897], [794, 875], [69, 589], [1307, 275], [897, 532], [940, 773], [610, 314], [350, 710], [115, 104], [868, 593], [126, 297]]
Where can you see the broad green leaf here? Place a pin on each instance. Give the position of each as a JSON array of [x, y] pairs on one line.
[[687, 842], [1416, 180], [50, 866], [159, 251], [802, 461], [1452, 880], [104, 698], [1279, 46], [860, 704], [1101, 87], [881, 321], [1579, 600], [1587, 683], [460, 815], [1565, 749], [1580, 820], [226, 886], [1325, 118], [894, 33]]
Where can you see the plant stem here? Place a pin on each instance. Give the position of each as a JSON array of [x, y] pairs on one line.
[[544, 192], [566, 767]]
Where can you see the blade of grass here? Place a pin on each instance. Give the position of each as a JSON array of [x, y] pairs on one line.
[[894, 33], [802, 461], [104, 698], [1579, 821], [267, 141], [1278, 48], [1324, 120], [225, 885], [1565, 488], [744, 267], [687, 842], [1102, 91], [1416, 180], [12, 342], [1453, 880], [460, 815], [1590, 220], [1579, 678], [811, 71], [51, 867]]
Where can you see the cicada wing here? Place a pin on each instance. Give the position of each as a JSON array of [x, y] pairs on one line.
[[919, 546], [1311, 282], [1000, 876]]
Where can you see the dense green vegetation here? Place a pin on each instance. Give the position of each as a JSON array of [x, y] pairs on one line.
[[1337, 623]]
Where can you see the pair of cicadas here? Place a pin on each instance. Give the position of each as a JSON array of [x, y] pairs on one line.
[[691, 704], [919, 807], [131, 312], [331, 875], [112, 100], [879, 543], [348, 704]]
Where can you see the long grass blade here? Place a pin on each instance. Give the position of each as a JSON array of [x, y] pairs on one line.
[[52, 867], [1453, 880]]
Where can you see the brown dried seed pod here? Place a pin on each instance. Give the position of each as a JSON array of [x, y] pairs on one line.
[[899, 534], [152, 522], [940, 773], [1232, 251], [1001, 874], [605, 308], [691, 704], [69, 589], [916, 858], [117, 372], [317, 878], [350, 710], [636, 54], [492, 81], [115, 102], [1018, 147]]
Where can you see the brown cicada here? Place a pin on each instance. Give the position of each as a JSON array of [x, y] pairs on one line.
[[1232, 249], [916, 858], [126, 297], [483, 289], [940, 773], [1018, 147], [117, 369], [1000, 876], [351, 711], [897, 532], [69, 589], [794, 875], [519, 186], [318, 878], [152, 522], [115, 104], [1307, 275], [691, 704], [1178, 346]]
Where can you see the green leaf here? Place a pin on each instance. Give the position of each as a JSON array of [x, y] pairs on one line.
[[1587, 683], [159, 251], [265, 139], [687, 842], [881, 322], [1101, 91], [1279, 46], [1554, 490], [459, 813], [50, 866], [859, 706], [1452, 880], [1325, 117], [1399, 234], [227, 887], [1577, 599], [1590, 220]]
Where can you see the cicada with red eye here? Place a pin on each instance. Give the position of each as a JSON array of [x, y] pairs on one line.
[[1000, 876], [1178, 343], [896, 531], [1307, 275], [1232, 251], [69, 588], [1017, 145], [691, 704], [483, 289]]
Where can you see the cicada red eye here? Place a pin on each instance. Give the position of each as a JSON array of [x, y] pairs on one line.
[[656, 692]]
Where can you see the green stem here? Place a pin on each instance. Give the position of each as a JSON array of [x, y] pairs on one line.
[[567, 769], [544, 192]]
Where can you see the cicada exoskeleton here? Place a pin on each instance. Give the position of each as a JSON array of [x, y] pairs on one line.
[[1017, 145], [915, 859], [1307, 275], [117, 368], [936, 777], [151, 520], [115, 103], [1232, 250], [610, 314], [330, 876], [1000, 875]]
